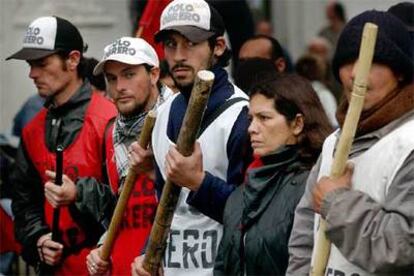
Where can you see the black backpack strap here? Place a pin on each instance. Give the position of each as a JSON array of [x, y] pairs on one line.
[[217, 112], [105, 177]]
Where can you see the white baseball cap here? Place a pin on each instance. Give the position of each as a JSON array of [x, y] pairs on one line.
[[195, 19], [129, 50]]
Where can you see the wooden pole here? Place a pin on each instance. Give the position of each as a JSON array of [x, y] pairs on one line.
[[139, 31], [366, 53], [131, 177], [171, 192]]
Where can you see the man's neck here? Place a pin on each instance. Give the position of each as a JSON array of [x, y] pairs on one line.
[[152, 98], [63, 96]]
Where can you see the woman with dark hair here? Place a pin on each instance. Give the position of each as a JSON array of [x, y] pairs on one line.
[[287, 129]]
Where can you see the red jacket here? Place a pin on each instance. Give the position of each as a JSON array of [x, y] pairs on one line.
[[138, 217], [7, 241], [150, 23], [81, 158]]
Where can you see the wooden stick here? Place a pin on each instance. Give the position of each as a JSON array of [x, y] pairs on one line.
[[139, 31], [131, 177], [366, 53], [171, 192]]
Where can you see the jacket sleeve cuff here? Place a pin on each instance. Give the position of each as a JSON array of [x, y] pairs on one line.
[[29, 250], [200, 194], [329, 199]]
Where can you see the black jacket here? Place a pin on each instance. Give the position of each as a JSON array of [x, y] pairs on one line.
[[258, 217]]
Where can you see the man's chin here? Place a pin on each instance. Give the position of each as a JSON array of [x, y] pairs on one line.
[[129, 111], [185, 89], [44, 93], [184, 85]]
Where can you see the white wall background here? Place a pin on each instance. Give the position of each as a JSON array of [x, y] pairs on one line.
[[101, 21]]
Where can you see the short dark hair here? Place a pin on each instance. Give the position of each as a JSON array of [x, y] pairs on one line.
[[148, 68], [96, 80], [339, 11], [310, 68], [251, 71], [276, 50], [81, 68], [224, 59], [294, 95]]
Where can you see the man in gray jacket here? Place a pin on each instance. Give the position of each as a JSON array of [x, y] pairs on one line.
[[369, 210]]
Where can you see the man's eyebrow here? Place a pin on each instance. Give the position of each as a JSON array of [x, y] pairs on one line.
[[128, 68]]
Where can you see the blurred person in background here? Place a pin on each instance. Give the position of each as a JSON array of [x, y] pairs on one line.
[[263, 27], [313, 69], [97, 81], [335, 13], [262, 46], [253, 70], [320, 47]]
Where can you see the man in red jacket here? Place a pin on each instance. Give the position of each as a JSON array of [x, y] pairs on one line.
[[75, 118]]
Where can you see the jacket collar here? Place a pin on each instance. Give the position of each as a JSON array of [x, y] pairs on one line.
[[262, 183]]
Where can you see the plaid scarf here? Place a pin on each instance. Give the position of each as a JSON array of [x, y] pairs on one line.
[[126, 131]]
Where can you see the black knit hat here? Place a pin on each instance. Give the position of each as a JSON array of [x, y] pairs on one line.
[[393, 47]]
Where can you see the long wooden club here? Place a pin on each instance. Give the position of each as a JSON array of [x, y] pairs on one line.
[[171, 192], [129, 183], [366, 53]]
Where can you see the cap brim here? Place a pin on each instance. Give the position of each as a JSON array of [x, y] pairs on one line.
[[192, 33], [99, 68], [31, 54]]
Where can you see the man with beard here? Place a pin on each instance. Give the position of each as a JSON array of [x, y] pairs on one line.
[[369, 210], [192, 33], [75, 118], [131, 68]]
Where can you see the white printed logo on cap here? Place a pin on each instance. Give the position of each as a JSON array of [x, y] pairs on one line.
[[129, 50], [186, 12], [41, 34]]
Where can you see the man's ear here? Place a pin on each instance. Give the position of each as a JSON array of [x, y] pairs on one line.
[[154, 75], [220, 46], [280, 65], [73, 60], [298, 124]]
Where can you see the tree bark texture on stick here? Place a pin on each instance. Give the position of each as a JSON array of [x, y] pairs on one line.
[[127, 188], [171, 192], [363, 65]]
